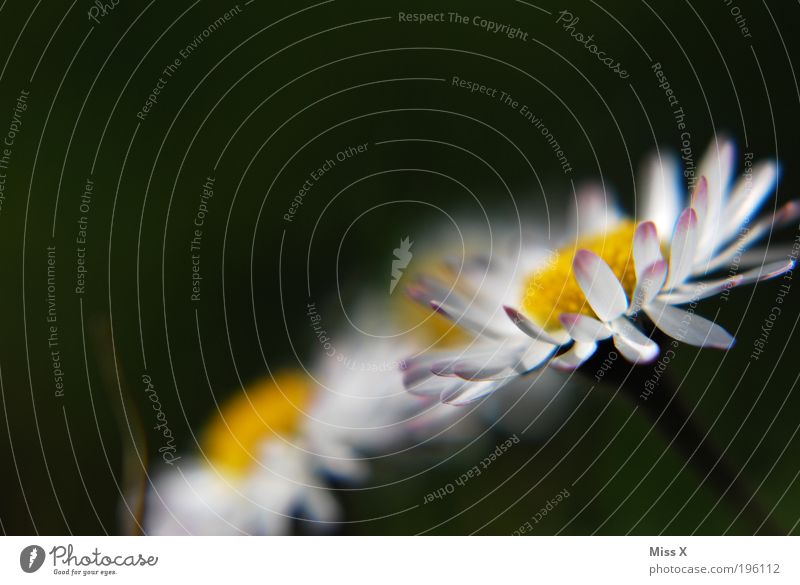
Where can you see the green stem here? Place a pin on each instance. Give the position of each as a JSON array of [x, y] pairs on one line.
[[674, 421]]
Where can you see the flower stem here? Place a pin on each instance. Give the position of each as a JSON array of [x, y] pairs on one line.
[[675, 422]]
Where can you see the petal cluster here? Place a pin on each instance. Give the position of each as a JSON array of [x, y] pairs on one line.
[[355, 412], [677, 247]]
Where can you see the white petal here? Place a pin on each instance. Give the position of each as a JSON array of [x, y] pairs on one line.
[[476, 372], [453, 295], [534, 356], [700, 200], [478, 324], [717, 167], [662, 193], [420, 379], [786, 214], [427, 289], [717, 164], [433, 386], [696, 291], [701, 256], [498, 365], [709, 288], [596, 211], [761, 256], [601, 287], [584, 328], [646, 247], [688, 327], [470, 357], [765, 272], [445, 367], [418, 368], [648, 286], [530, 328], [470, 392], [748, 195], [457, 308], [634, 345], [682, 250], [415, 366], [492, 367], [575, 356]]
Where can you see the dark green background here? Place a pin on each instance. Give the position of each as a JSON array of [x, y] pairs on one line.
[[87, 83]]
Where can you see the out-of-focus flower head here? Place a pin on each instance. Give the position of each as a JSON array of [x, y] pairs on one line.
[[267, 457]]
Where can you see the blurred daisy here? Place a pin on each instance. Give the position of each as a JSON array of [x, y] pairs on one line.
[[553, 307], [268, 457], [251, 476]]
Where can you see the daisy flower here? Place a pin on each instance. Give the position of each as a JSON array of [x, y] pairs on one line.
[[248, 478], [534, 403], [269, 455], [554, 307]]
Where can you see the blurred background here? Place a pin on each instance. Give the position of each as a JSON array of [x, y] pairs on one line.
[[260, 103]]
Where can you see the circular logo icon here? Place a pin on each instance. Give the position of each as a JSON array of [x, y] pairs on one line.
[[31, 558]]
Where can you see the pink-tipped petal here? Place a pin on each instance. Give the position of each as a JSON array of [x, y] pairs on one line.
[[768, 271], [528, 327], [418, 368], [688, 327], [426, 290], [442, 292], [418, 294], [683, 249], [600, 285], [584, 328], [646, 247]]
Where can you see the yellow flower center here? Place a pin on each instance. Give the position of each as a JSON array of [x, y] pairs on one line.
[[553, 290], [269, 408]]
